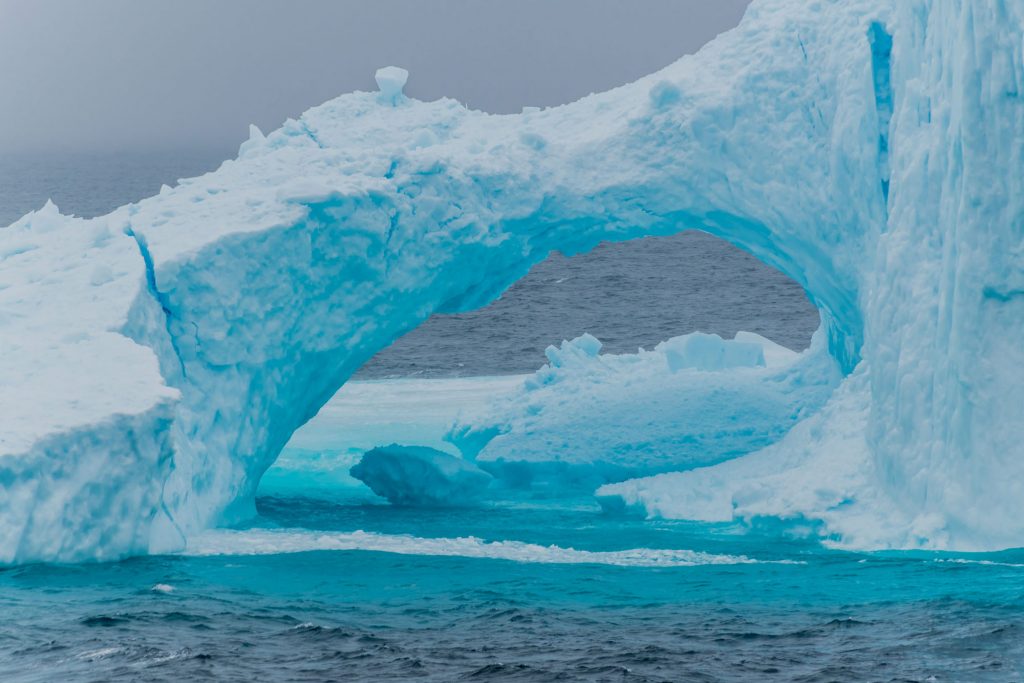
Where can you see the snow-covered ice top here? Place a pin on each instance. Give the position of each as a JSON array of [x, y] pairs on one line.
[[157, 359]]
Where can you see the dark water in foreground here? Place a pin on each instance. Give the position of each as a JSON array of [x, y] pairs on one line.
[[506, 593], [360, 615]]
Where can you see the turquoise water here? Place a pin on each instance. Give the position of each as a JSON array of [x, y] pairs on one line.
[[751, 606]]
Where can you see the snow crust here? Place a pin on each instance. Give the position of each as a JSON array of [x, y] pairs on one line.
[[156, 360], [421, 476]]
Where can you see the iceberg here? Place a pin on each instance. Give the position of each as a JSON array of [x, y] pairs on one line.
[[421, 476], [157, 359], [587, 419]]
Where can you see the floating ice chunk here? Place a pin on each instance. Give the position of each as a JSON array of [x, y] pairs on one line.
[[699, 351], [420, 476], [587, 419], [391, 80]]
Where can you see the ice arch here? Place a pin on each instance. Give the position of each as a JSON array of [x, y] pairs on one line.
[[164, 353]]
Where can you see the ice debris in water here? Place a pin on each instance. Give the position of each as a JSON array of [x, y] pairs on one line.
[[421, 476], [390, 81]]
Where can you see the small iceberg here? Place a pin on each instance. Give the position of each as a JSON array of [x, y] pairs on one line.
[[421, 476], [587, 419]]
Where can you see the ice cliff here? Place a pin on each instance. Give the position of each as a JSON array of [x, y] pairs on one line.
[[155, 360]]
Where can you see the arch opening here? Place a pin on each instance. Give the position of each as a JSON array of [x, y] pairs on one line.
[[630, 295], [365, 266]]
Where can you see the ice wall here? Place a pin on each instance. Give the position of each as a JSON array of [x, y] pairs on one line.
[[868, 149], [945, 292]]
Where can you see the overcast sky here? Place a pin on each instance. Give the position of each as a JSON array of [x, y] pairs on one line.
[[81, 75]]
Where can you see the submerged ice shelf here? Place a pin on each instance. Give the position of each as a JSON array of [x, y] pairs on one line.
[[156, 360], [421, 476]]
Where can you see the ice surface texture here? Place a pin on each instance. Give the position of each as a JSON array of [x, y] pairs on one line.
[[421, 476], [586, 419], [157, 359]]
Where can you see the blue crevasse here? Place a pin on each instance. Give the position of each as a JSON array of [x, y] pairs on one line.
[[884, 178]]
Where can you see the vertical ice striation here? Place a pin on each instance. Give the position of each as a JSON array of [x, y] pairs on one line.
[[881, 70], [945, 302]]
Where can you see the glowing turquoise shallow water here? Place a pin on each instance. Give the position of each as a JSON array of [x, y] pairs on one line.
[[339, 615]]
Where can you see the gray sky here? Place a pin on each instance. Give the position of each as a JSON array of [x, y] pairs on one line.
[[82, 75]]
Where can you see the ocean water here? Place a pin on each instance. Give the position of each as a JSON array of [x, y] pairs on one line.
[[507, 592], [329, 583]]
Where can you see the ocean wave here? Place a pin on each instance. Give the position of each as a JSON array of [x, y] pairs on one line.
[[986, 563], [283, 541]]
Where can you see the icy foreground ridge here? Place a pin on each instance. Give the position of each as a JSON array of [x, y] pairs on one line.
[[156, 360]]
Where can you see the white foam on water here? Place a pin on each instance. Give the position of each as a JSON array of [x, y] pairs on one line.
[[102, 653], [988, 563], [283, 541]]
